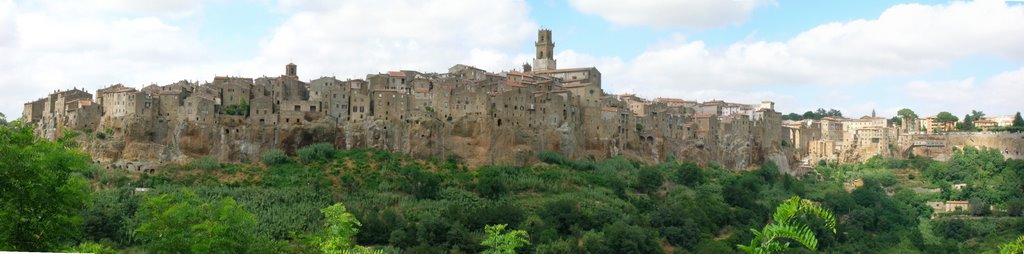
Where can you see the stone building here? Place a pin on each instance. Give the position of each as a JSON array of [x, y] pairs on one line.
[[545, 60], [33, 111], [332, 96], [233, 90], [82, 114], [481, 116]]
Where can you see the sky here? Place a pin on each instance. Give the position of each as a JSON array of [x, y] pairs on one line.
[[855, 56]]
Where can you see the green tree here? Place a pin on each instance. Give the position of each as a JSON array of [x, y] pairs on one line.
[[1018, 121], [3, 119], [977, 115], [621, 237], [42, 193], [1015, 207], [810, 115], [955, 229], [906, 113], [339, 233], [1016, 246], [772, 239], [91, 247], [979, 208], [834, 112], [896, 120], [946, 117], [341, 228], [967, 124], [184, 223], [649, 179], [689, 173], [500, 242]]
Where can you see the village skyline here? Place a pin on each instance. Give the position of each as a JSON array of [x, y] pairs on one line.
[[803, 57]]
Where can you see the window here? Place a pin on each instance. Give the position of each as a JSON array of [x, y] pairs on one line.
[[298, 108]]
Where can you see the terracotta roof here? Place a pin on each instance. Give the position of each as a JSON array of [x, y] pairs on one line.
[[396, 74], [514, 84]]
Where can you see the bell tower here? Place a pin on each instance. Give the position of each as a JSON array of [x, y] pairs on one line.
[[545, 59], [291, 70]]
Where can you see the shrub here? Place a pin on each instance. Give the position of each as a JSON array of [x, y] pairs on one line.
[[101, 135], [1015, 207], [551, 158], [491, 183], [316, 152], [180, 223], [649, 179], [92, 247], [274, 157], [205, 163], [690, 174]]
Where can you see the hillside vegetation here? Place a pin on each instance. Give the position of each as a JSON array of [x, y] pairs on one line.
[[391, 203]]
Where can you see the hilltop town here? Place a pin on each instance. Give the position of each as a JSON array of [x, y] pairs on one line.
[[480, 116], [469, 113]]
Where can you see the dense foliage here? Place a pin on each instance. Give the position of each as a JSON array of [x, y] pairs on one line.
[[816, 115], [42, 191], [183, 223], [396, 203]]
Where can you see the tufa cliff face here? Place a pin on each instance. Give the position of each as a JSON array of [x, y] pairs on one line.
[[473, 138]]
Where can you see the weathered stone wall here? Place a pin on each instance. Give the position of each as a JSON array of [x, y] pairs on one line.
[[1011, 145]]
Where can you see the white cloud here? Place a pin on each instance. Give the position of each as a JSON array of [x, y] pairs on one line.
[[670, 13], [905, 40], [999, 94], [359, 37], [48, 46]]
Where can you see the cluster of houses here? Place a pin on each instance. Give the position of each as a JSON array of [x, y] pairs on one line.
[[538, 97]]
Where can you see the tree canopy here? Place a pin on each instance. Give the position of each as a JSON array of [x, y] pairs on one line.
[[816, 114], [184, 223], [906, 113], [500, 242], [946, 117], [41, 189]]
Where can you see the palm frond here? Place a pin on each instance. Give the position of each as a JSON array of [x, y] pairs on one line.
[[799, 233], [806, 206]]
